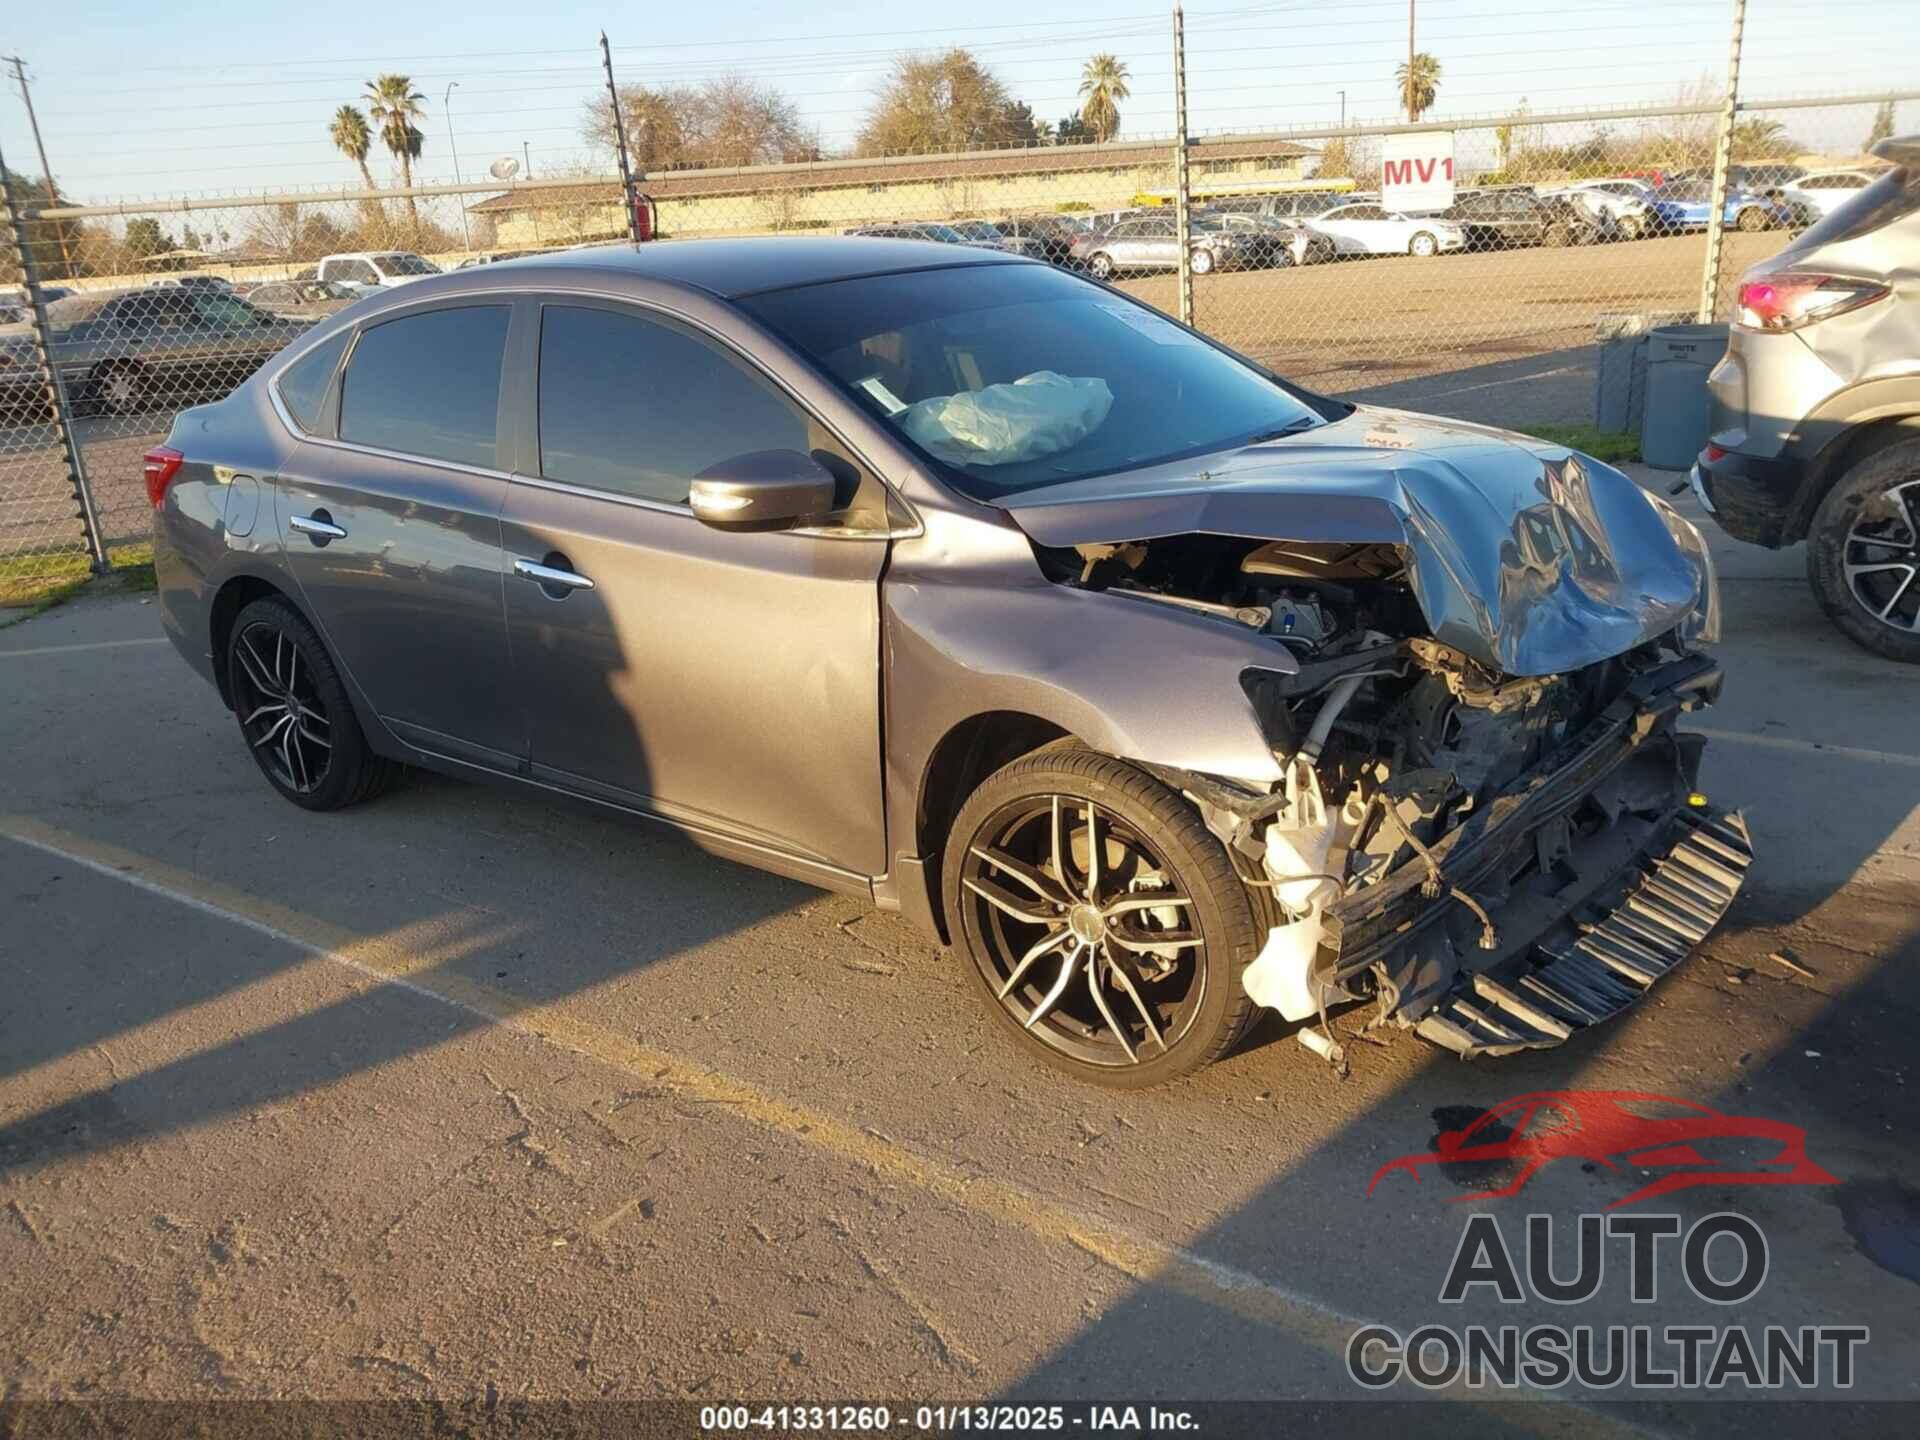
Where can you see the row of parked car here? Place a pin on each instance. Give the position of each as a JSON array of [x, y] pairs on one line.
[[1303, 227]]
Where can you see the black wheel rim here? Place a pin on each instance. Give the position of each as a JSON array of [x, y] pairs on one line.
[[1881, 557], [1083, 931], [281, 713]]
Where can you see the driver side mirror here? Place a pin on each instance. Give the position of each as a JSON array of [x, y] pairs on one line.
[[762, 490]]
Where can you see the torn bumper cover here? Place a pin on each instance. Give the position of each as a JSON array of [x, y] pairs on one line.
[[1562, 901]]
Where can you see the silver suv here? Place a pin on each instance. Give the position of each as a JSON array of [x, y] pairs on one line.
[[1816, 409]]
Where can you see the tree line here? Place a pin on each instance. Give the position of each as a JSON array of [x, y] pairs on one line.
[[924, 105]]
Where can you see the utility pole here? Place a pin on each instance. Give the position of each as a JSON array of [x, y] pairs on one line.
[[526, 154], [620, 139], [446, 108], [1182, 199], [46, 171], [1722, 153], [1411, 117], [1343, 109]]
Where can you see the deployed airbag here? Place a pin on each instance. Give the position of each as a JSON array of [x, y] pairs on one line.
[[1037, 415]]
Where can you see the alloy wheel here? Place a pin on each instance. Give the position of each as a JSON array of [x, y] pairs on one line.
[[1202, 262], [1087, 937], [1424, 245], [281, 712], [1881, 557]]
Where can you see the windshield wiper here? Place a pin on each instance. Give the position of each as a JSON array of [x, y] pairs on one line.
[[1292, 427]]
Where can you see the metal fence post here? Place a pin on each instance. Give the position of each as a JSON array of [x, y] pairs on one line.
[[54, 386], [1182, 191], [620, 140], [1722, 153]]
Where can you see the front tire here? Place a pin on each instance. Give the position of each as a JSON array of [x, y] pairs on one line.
[[294, 713], [1100, 265], [1863, 553], [1424, 246], [122, 390], [1751, 219], [1104, 924], [1202, 262]]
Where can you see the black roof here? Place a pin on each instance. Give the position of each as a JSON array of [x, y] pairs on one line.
[[745, 266]]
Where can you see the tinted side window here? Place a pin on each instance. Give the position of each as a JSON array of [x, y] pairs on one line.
[[428, 385], [638, 407], [303, 388]]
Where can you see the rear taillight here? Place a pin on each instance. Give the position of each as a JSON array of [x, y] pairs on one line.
[[160, 465], [1795, 298], [1713, 453]]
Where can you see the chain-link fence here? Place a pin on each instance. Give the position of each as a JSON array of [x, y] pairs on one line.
[[1563, 227]]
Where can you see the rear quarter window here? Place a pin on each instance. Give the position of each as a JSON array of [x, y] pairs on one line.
[[302, 386]]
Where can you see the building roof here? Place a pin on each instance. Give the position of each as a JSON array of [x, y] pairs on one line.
[[892, 170]]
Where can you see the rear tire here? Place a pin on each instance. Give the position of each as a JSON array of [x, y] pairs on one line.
[[122, 390], [1202, 261], [1863, 553], [1081, 1006], [1751, 219], [1100, 265], [294, 712]]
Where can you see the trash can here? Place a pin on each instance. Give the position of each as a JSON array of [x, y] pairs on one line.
[[1675, 425], [1620, 378]]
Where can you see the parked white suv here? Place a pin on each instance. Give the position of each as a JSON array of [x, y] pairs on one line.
[[364, 271], [1818, 195]]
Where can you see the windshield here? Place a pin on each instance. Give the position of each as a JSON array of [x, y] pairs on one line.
[[403, 265], [1686, 190], [1012, 377], [226, 311]]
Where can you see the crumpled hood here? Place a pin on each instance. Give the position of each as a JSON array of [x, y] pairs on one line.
[[1531, 558]]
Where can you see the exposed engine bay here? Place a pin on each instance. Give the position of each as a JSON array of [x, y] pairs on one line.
[[1496, 860]]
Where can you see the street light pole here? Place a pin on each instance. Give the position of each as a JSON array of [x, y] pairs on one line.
[[446, 108], [1343, 109]]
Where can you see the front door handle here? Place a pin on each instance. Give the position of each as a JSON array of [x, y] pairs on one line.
[[317, 527], [550, 577]]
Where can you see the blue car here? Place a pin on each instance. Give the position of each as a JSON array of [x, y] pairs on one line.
[[1686, 206]]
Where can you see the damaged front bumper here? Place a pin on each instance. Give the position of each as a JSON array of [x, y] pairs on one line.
[[1562, 901]]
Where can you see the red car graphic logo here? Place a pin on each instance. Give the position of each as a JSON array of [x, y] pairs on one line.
[[1622, 1130]]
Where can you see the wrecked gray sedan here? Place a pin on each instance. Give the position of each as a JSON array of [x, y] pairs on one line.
[[1163, 690]]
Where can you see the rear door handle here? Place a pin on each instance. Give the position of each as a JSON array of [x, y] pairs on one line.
[[549, 576], [318, 527]]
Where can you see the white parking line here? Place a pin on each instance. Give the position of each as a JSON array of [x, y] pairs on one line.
[[1807, 747], [88, 645]]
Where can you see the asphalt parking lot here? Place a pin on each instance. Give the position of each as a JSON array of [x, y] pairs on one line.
[[463, 1094]]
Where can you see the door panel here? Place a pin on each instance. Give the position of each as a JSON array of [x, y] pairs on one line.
[[730, 681], [410, 598]]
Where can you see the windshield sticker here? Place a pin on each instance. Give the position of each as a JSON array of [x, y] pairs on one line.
[[889, 401], [1156, 329]]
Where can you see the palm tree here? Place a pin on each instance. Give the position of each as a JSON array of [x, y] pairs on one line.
[[1104, 83], [352, 139], [1760, 139], [395, 105], [1420, 85]]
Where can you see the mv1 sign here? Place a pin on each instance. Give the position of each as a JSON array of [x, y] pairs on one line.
[[1416, 171]]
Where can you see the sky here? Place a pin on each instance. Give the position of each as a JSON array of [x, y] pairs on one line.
[[138, 101]]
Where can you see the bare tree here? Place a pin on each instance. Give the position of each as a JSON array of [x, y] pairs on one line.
[[732, 120], [941, 102]]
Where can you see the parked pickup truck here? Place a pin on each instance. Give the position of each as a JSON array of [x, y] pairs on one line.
[[365, 271]]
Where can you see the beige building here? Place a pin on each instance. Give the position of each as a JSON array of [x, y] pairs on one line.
[[837, 194]]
